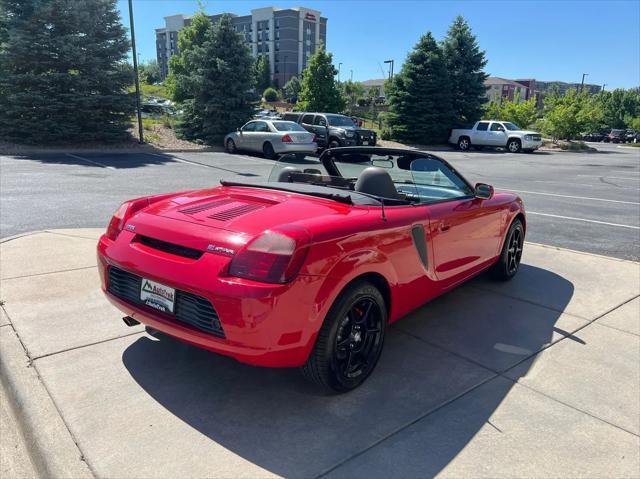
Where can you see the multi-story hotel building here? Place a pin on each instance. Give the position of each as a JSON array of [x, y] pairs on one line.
[[288, 36]]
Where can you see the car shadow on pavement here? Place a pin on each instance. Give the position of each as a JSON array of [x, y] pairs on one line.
[[101, 160], [435, 361]]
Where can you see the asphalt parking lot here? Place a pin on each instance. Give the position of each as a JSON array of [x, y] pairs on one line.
[[583, 201], [537, 377]]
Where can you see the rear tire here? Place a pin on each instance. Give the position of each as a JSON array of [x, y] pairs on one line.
[[464, 143], [350, 340], [268, 151], [514, 145], [509, 261]]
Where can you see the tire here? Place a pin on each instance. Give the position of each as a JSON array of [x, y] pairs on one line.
[[231, 146], [509, 261], [514, 145], [350, 340], [268, 151], [464, 143], [334, 143]]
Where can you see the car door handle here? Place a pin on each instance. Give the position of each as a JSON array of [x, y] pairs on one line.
[[444, 227]]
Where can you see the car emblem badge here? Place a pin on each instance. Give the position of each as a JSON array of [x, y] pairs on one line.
[[131, 227], [220, 249]]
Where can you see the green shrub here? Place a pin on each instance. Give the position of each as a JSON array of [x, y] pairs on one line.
[[361, 101], [270, 94]]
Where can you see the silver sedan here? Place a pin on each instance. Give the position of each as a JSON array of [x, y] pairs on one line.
[[272, 138]]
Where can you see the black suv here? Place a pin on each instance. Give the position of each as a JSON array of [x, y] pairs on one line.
[[333, 130]]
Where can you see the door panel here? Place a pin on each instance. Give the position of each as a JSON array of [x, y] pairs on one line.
[[497, 138], [465, 234]]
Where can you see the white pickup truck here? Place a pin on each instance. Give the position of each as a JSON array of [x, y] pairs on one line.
[[497, 134]]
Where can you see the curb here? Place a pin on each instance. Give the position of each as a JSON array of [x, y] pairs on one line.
[[558, 248], [49, 442]]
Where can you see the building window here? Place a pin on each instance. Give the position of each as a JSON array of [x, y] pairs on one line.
[[278, 35], [266, 48], [277, 46], [259, 47], [277, 23]]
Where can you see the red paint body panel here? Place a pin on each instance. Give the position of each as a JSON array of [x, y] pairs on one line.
[[276, 324]]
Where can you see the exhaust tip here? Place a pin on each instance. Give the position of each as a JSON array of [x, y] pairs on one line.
[[129, 321]]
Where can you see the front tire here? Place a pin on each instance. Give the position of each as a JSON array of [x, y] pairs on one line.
[[509, 262], [514, 145], [231, 146], [334, 143], [350, 340], [464, 143]]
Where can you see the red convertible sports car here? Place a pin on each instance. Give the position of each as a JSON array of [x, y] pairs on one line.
[[309, 268]]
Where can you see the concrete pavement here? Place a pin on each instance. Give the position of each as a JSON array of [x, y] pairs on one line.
[[536, 377]]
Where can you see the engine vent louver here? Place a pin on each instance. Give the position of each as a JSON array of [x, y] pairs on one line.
[[233, 212], [205, 206]]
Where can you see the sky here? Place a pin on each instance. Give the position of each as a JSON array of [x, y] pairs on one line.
[[545, 40]]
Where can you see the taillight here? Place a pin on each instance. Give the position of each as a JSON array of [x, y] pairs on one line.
[[287, 139], [275, 256], [128, 209], [122, 214]]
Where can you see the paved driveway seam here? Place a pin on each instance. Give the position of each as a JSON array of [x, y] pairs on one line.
[[86, 345], [407, 424], [49, 272], [56, 232]]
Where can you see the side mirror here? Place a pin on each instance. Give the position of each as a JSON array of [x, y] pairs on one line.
[[483, 191], [500, 128]]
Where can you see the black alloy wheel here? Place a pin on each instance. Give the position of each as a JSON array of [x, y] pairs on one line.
[[359, 339], [508, 263], [350, 340]]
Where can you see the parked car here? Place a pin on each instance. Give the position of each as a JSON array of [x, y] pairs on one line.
[[308, 270], [593, 136], [615, 136], [630, 136], [333, 130], [497, 134], [271, 138]]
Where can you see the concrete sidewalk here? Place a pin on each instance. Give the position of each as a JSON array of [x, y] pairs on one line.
[[536, 377]]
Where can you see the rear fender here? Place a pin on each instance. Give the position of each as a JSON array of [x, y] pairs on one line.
[[350, 267]]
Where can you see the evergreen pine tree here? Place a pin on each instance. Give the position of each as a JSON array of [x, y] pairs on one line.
[[420, 96], [318, 90], [63, 76], [191, 40], [465, 63], [263, 73], [221, 83]]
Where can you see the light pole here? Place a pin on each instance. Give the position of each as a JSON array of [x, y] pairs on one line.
[[135, 71], [351, 79], [391, 69], [603, 85], [582, 82], [339, 65]]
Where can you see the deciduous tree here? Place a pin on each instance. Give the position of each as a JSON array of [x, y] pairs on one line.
[[318, 90], [263, 73]]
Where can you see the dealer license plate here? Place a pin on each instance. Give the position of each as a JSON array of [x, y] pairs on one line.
[[157, 295]]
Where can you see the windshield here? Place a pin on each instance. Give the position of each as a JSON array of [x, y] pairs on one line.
[[287, 126], [397, 179], [511, 126], [339, 120]]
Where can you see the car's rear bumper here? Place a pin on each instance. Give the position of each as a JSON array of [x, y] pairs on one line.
[[264, 324], [295, 147]]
